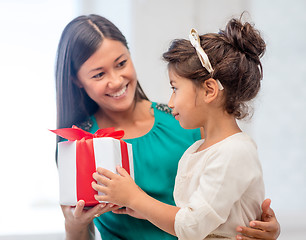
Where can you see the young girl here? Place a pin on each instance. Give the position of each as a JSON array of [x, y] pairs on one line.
[[212, 77]]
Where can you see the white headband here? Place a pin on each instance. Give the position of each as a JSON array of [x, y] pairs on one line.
[[195, 42]]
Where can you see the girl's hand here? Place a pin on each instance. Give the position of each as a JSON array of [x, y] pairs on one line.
[[78, 221], [130, 212], [268, 228], [118, 189]]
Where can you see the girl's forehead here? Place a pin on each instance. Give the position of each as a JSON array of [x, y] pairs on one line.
[[174, 77], [172, 73]]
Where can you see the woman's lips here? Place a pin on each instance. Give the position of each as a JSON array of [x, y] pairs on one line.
[[118, 93]]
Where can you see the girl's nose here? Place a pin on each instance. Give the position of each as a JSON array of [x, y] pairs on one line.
[[170, 103]]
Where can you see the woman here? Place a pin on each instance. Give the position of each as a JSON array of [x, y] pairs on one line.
[[97, 87]]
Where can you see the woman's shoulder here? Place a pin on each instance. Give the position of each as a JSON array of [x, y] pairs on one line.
[[162, 107], [86, 125]]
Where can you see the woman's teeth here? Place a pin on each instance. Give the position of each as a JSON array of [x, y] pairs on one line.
[[119, 93]]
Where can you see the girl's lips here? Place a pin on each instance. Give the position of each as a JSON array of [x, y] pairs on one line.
[[175, 115]]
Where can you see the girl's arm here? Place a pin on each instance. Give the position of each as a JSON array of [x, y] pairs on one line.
[[78, 223], [122, 190], [268, 228]]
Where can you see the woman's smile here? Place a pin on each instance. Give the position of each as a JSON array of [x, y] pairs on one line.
[[119, 93]]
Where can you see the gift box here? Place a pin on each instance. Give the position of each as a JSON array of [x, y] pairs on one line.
[[80, 156]]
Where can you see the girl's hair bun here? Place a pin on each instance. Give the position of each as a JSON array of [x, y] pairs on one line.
[[234, 54], [245, 38]]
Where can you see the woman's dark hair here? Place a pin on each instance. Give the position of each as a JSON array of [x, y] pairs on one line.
[[80, 39], [234, 54]]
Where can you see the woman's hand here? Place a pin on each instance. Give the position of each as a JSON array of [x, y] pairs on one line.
[[78, 221], [267, 229]]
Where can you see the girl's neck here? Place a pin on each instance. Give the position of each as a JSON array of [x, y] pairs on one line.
[[219, 128]]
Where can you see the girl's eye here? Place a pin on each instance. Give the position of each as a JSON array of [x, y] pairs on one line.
[[122, 63], [174, 89], [99, 75]]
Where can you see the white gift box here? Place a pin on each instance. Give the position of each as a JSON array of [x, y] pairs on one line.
[[75, 173]]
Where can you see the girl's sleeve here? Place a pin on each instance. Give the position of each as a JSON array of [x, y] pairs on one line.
[[226, 176]]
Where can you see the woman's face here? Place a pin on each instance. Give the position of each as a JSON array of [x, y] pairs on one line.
[[109, 77]]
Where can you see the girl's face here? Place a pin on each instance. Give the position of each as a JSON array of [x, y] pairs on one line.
[[109, 77], [185, 101]]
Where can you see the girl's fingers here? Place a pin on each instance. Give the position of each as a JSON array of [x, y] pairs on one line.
[[106, 173], [100, 188], [101, 179], [122, 171], [102, 198]]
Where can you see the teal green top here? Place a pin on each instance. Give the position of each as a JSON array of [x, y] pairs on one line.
[[155, 156]]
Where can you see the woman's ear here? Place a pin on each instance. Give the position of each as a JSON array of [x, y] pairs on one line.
[[211, 90], [77, 82]]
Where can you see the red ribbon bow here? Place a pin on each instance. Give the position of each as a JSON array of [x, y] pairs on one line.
[[85, 157], [76, 133]]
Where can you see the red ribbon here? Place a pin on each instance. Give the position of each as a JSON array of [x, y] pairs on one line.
[[85, 163]]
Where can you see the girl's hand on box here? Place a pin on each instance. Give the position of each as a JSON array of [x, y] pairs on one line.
[[129, 211], [119, 188]]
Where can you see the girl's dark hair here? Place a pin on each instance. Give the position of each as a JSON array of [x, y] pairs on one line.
[[79, 40], [234, 54]]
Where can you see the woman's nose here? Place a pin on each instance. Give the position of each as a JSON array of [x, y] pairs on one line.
[[115, 80]]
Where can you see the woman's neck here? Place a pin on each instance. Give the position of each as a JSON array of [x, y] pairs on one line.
[[135, 121]]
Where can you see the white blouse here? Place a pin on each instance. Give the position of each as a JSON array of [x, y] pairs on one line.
[[218, 188]]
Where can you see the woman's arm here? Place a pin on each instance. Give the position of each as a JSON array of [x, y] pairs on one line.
[[123, 191], [78, 223], [268, 228]]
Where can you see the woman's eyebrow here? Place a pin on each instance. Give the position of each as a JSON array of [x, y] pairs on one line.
[[118, 57], [96, 69], [101, 68]]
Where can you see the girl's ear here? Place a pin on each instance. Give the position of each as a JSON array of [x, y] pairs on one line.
[[211, 90]]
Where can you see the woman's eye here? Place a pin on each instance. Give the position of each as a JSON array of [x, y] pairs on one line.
[[174, 89], [99, 75], [122, 63]]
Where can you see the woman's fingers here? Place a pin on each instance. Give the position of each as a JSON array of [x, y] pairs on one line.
[[84, 215], [97, 210], [107, 207], [79, 209], [254, 233]]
